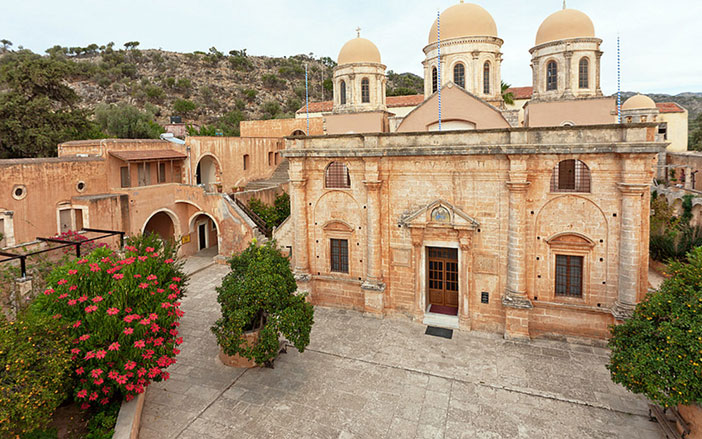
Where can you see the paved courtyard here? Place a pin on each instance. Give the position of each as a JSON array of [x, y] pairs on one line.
[[363, 377]]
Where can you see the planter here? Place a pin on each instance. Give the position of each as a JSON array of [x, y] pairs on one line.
[[693, 416], [237, 360]]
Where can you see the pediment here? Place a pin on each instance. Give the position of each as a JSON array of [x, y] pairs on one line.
[[439, 214]]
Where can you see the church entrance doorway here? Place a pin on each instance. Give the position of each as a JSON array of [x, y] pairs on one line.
[[442, 280]]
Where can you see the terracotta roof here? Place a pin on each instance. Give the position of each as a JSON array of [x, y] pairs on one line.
[[152, 154], [669, 107], [392, 102], [521, 92]]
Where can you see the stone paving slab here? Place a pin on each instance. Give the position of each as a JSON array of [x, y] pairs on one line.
[[363, 377]]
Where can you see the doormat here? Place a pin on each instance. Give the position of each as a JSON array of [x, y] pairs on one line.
[[441, 309], [439, 332]]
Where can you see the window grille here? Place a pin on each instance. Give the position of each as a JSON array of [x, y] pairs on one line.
[[584, 73], [486, 78], [569, 275], [365, 91], [342, 92], [339, 255], [570, 176], [434, 80], [459, 75], [552, 76], [337, 176]]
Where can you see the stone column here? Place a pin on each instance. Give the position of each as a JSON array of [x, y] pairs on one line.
[[598, 90], [688, 177], [535, 78], [568, 75], [298, 200], [477, 71], [629, 249], [465, 240], [515, 300], [373, 286]]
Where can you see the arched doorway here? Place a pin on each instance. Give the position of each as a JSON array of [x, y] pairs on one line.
[[298, 133], [206, 171], [206, 233], [161, 224]]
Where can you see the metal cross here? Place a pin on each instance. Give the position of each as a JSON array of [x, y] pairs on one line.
[[358, 32]]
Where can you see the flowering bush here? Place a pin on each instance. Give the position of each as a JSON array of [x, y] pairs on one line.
[[658, 351], [35, 366], [123, 316], [77, 237]]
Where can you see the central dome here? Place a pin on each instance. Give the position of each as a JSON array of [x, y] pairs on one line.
[[564, 24], [359, 50], [464, 20], [639, 102]]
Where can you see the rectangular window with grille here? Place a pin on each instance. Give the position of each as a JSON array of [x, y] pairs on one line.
[[570, 176], [569, 276], [161, 172], [124, 176], [337, 176], [339, 255]]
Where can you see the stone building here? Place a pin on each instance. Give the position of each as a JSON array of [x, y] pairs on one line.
[[468, 220]]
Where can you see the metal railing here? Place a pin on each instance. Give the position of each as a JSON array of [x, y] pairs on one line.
[[255, 218]]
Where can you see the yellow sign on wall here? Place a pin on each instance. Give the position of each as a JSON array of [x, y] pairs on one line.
[[185, 239]]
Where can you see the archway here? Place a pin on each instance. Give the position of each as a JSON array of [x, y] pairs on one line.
[[206, 233], [206, 171], [298, 133], [161, 224]]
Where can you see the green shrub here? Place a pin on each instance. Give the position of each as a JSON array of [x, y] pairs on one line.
[[184, 106], [672, 237], [272, 215], [123, 317], [125, 121], [102, 423], [35, 361], [270, 109], [183, 84], [259, 293], [272, 81], [250, 94], [657, 351]]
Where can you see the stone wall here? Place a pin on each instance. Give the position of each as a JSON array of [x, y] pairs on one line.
[[282, 127]]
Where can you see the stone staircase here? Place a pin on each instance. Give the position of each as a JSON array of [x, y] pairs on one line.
[[279, 176]]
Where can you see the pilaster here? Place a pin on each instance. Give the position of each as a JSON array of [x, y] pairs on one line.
[[373, 286]]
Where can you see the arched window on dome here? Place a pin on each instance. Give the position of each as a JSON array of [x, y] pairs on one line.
[[365, 91], [337, 176], [570, 176], [342, 92], [552, 75], [584, 73], [459, 75], [486, 78], [434, 80]]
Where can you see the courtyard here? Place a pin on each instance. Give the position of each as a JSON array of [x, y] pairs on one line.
[[363, 377]]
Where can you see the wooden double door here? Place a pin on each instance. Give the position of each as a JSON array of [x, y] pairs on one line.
[[442, 276]]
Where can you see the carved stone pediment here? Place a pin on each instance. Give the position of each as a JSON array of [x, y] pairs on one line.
[[439, 214]]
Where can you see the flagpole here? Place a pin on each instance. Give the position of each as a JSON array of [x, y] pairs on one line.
[[307, 101], [619, 83], [438, 41]]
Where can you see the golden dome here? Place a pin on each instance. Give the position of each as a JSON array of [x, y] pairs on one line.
[[464, 20], [564, 24], [639, 102], [359, 50]]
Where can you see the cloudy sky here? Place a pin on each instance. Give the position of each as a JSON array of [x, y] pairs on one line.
[[660, 40]]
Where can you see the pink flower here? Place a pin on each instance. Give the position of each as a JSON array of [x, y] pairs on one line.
[[72, 271], [176, 351], [137, 276], [97, 299], [82, 261], [148, 354], [139, 344], [129, 365], [94, 267], [165, 305], [121, 379], [106, 390], [72, 302], [89, 355], [85, 406], [165, 375], [113, 347], [63, 296], [75, 351], [105, 260], [129, 397], [84, 337], [98, 381], [82, 299], [144, 322], [95, 373], [83, 393], [76, 324], [80, 371], [72, 288], [168, 261], [100, 354], [179, 340], [128, 331], [176, 279], [173, 332], [118, 276], [143, 258], [158, 341], [153, 316], [113, 311], [104, 401], [48, 291], [149, 249], [151, 277], [113, 374], [154, 371], [91, 308], [93, 396], [154, 327], [143, 286], [62, 281]]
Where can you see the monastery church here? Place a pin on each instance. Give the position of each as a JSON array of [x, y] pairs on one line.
[[451, 207]]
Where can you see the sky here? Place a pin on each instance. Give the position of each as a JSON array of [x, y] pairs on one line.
[[660, 40]]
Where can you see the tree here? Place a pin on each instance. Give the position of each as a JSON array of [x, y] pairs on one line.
[[259, 294], [37, 109], [657, 351], [270, 109], [125, 121], [131, 45], [508, 97], [695, 141], [183, 106], [6, 44]]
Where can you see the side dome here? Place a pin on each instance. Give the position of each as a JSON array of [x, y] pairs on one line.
[[464, 20], [639, 102], [359, 50], [564, 24]]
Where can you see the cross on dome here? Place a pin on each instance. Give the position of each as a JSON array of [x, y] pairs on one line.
[[358, 32]]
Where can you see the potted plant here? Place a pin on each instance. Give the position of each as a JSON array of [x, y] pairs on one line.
[[219, 187], [259, 303]]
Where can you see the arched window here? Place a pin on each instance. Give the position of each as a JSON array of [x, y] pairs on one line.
[[570, 176], [337, 176], [459, 75], [486, 78], [342, 92], [584, 73], [434, 80], [552, 76], [365, 91]]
